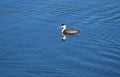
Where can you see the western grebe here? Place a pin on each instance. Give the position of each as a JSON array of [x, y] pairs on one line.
[[68, 31]]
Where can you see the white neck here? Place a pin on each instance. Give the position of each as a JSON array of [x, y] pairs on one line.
[[64, 27]]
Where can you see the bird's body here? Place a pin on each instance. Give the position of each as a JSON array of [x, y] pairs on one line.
[[69, 31]]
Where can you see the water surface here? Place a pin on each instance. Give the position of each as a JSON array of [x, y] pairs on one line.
[[30, 40]]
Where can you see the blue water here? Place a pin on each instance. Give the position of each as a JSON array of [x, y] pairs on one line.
[[31, 45]]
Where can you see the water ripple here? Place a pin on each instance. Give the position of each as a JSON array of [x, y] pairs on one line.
[[29, 44]]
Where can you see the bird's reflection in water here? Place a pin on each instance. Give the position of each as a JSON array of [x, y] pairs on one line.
[[63, 37]]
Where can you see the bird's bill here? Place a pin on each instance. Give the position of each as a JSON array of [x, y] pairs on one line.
[[59, 27]]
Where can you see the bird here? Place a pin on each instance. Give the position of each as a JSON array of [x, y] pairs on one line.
[[70, 31]]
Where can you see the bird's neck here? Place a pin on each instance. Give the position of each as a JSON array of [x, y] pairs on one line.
[[63, 28]]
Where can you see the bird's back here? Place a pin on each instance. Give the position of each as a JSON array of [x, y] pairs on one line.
[[71, 31]]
